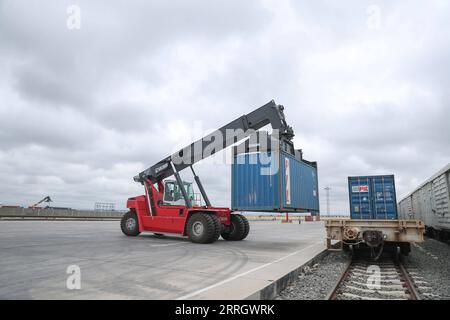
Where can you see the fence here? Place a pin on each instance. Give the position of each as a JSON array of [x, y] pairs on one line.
[[51, 213]]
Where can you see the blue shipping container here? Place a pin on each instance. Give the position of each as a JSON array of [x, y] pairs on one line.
[[372, 197], [273, 181]]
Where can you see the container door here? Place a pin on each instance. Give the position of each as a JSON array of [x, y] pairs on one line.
[[299, 185], [441, 196], [378, 201], [384, 202], [360, 194], [307, 196]]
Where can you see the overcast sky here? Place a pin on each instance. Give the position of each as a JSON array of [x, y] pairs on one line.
[[85, 104]]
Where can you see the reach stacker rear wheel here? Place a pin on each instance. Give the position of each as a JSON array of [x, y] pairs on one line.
[[238, 229], [129, 224]]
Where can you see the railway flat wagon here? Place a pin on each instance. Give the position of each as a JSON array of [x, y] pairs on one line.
[[374, 220], [429, 202]]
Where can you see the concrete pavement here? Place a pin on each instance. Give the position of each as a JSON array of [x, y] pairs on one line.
[[34, 256]]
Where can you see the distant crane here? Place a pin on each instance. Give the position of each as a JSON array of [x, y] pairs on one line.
[[46, 199]]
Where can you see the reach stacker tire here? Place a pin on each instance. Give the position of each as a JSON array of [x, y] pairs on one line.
[[203, 228], [129, 224], [238, 229]]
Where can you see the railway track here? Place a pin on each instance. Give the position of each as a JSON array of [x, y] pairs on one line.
[[385, 279]]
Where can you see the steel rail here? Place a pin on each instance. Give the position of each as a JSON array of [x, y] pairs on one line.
[[333, 293], [411, 292], [414, 294]]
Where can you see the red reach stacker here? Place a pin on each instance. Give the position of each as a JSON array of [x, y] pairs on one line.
[[168, 206]]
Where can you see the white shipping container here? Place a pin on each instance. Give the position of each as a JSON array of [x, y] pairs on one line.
[[430, 202]]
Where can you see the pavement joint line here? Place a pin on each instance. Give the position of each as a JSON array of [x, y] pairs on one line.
[[189, 295], [168, 244]]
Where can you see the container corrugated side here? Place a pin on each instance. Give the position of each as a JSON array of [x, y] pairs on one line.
[[259, 183], [430, 202], [251, 189]]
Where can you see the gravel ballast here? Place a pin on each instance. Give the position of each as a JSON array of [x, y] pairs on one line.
[[428, 263], [315, 282], [431, 259]]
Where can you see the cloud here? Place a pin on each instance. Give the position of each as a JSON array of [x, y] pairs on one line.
[[83, 111]]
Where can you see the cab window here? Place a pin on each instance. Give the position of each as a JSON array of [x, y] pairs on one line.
[[173, 194]]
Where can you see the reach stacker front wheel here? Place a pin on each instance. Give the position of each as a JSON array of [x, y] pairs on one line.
[[203, 228]]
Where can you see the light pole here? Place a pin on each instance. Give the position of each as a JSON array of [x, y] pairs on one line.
[[327, 189]]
